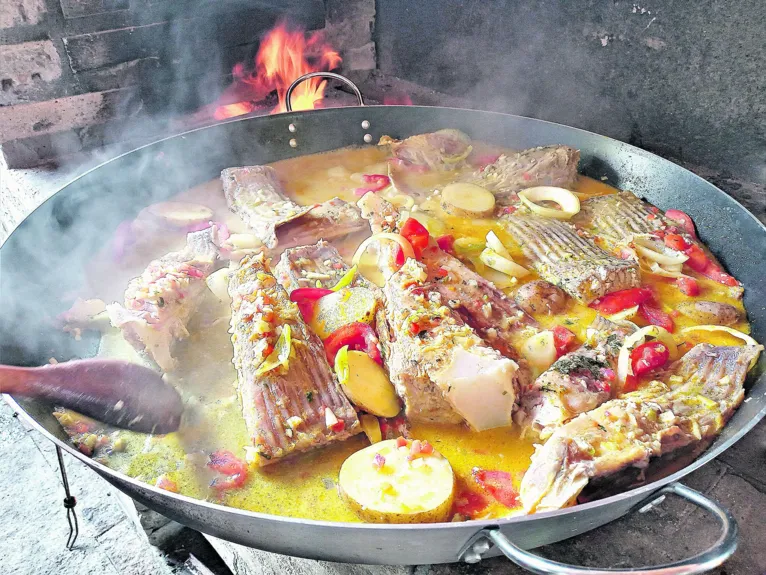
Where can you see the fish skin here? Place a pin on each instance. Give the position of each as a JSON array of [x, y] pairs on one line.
[[303, 389], [555, 397], [433, 150], [573, 263], [689, 405]]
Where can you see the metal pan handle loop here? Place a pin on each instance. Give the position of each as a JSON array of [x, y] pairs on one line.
[[703, 562], [333, 75]]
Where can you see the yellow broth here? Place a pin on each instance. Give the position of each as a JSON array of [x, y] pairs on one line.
[[306, 486]]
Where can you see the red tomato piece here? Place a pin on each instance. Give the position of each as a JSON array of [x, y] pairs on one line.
[[631, 384], [306, 297], [688, 286], [164, 482], [683, 219], [224, 461], [656, 316], [676, 242], [718, 275], [698, 260], [446, 243], [375, 183], [701, 263], [417, 234], [469, 503], [358, 337], [562, 339], [649, 357], [498, 484], [619, 300]]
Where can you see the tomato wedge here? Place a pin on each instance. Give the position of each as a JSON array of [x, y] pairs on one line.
[[683, 219], [562, 339], [417, 234], [688, 286], [446, 243], [619, 300], [498, 484], [702, 264], [655, 316], [306, 297], [649, 357], [676, 242], [358, 337]]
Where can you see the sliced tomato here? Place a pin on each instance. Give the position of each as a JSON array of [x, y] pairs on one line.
[[358, 337], [470, 503], [306, 297], [562, 339], [676, 242], [649, 357], [417, 234], [702, 264], [683, 219], [718, 275], [619, 300], [688, 286], [698, 260], [499, 484], [656, 316], [446, 243]]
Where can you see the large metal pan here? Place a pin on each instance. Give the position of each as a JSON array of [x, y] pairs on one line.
[[74, 223]]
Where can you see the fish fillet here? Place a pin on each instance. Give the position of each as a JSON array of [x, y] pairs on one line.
[[690, 406], [441, 150], [285, 407]]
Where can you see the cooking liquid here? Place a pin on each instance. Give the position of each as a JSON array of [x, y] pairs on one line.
[[306, 486]]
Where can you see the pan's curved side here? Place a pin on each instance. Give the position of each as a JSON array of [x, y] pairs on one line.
[[85, 212]]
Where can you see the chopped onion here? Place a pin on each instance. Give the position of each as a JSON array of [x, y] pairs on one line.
[[401, 240], [497, 262], [731, 331], [493, 242], [632, 341], [570, 204], [646, 246]]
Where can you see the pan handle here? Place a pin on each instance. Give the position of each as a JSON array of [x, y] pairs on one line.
[[708, 559], [333, 75]]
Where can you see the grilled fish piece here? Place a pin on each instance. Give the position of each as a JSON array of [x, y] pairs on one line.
[[696, 398], [575, 264], [285, 408], [255, 194], [544, 166], [441, 150], [439, 366], [577, 382], [497, 319], [159, 302]]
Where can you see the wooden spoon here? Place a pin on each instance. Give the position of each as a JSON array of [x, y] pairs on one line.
[[116, 392]]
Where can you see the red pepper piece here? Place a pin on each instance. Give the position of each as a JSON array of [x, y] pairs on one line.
[[498, 484], [375, 183], [656, 316], [683, 219], [358, 337], [676, 242], [702, 264], [417, 234], [306, 298], [562, 340], [446, 243], [623, 299], [688, 286], [649, 357]]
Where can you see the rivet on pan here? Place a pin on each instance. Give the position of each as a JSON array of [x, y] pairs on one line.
[[367, 138], [471, 557], [292, 128], [481, 546], [365, 124], [293, 143]]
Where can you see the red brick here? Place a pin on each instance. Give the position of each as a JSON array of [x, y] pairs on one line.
[[21, 12], [28, 70]]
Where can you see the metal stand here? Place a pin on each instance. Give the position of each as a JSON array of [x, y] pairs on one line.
[[69, 503]]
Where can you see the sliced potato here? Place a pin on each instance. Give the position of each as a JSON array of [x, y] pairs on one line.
[[371, 427], [181, 214], [218, 283], [393, 489], [468, 200], [365, 383], [347, 305]]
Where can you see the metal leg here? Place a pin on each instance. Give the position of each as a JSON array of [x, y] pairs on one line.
[[69, 503]]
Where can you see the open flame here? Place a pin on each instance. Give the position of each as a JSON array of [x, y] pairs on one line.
[[283, 56]]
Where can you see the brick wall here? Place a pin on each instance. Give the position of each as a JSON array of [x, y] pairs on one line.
[[78, 74]]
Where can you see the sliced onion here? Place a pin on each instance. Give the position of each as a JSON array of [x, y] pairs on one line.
[[497, 262], [624, 314], [632, 341], [646, 246], [499, 279], [403, 201], [401, 240], [570, 204], [667, 271], [731, 331], [493, 242]]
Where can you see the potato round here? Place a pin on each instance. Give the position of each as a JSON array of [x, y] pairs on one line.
[[401, 491], [468, 200]]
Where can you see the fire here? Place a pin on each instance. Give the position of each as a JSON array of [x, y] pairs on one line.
[[283, 56]]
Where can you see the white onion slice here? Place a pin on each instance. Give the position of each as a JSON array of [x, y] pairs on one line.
[[570, 204], [631, 342], [401, 240], [491, 258], [731, 331], [629, 313], [646, 246], [494, 243]]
